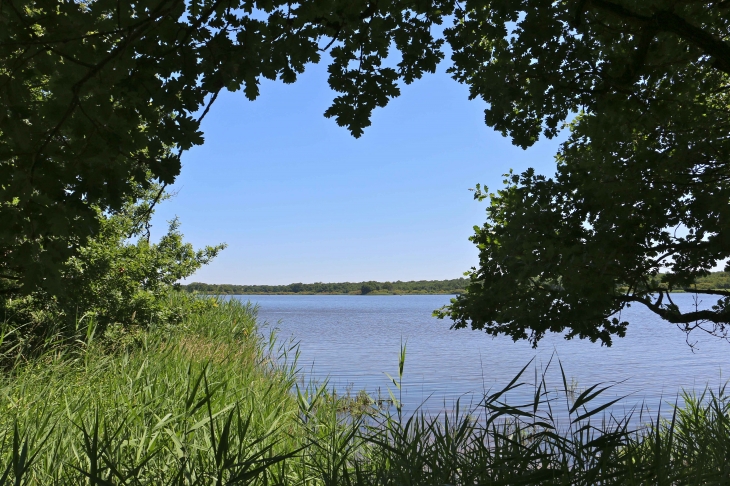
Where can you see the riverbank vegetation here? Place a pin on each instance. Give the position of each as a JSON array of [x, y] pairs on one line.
[[216, 400], [112, 376], [711, 281], [454, 286], [126, 379], [118, 282]]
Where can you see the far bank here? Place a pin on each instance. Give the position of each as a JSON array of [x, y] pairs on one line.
[[713, 280]]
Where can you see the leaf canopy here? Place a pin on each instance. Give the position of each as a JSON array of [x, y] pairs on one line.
[[99, 99], [642, 184]]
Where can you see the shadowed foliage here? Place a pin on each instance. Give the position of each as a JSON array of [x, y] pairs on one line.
[[643, 180]]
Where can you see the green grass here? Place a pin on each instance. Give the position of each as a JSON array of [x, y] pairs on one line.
[[214, 402]]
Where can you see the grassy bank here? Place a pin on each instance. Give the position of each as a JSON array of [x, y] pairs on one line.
[[213, 401]]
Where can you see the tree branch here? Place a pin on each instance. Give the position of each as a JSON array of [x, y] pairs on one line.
[[674, 316], [724, 293]]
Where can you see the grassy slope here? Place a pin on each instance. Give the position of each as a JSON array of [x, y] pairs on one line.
[[206, 404], [148, 411]]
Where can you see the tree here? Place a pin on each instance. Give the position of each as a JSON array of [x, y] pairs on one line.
[[100, 98], [642, 183]]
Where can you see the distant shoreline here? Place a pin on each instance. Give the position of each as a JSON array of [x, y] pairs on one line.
[[712, 281], [345, 294], [371, 287]]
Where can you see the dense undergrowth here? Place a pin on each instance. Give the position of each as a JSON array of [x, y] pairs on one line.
[[212, 400]]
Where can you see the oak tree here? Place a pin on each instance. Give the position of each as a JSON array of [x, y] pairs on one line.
[[640, 203], [99, 98]]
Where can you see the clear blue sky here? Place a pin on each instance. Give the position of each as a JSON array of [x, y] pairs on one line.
[[298, 199]]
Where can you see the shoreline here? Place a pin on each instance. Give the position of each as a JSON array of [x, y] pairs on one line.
[[356, 294]]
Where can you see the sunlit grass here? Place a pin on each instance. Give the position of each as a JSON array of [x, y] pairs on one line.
[[213, 401]]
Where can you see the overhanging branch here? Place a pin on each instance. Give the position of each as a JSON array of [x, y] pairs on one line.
[[674, 316], [724, 293]]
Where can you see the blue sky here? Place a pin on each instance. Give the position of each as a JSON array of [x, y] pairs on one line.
[[298, 199]]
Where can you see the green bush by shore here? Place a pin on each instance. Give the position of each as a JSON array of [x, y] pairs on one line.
[[212, 400]]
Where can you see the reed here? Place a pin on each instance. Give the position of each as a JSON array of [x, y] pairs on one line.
[[216, 401]]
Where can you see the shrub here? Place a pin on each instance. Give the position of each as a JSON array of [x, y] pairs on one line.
[[119, 280]]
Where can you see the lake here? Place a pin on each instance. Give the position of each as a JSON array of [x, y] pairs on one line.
[[355, 340]]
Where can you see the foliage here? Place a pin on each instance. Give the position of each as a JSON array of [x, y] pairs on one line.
[[410, 287], [642, 183], [99, 99], [212, 401], [111, 281], [121, 281], [715, 280], [155, 414]]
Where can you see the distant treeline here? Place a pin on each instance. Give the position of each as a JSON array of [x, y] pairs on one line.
[[715, 280], [413, 287]]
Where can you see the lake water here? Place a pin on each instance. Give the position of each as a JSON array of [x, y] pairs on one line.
[[355, 340]]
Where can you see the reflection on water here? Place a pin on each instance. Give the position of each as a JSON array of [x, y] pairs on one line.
[[356, 339]]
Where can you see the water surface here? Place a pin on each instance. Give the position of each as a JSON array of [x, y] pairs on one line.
[[355, 340]]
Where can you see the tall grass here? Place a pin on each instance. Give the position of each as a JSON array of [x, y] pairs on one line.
[[204, 404], [213, 401]]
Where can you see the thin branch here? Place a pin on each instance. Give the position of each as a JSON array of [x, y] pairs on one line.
[[642, 51], [210, 103], [158, 197], [334, 38], [69, 57], [146, 215]]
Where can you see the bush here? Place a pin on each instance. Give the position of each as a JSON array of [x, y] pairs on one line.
[[118, 284]]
